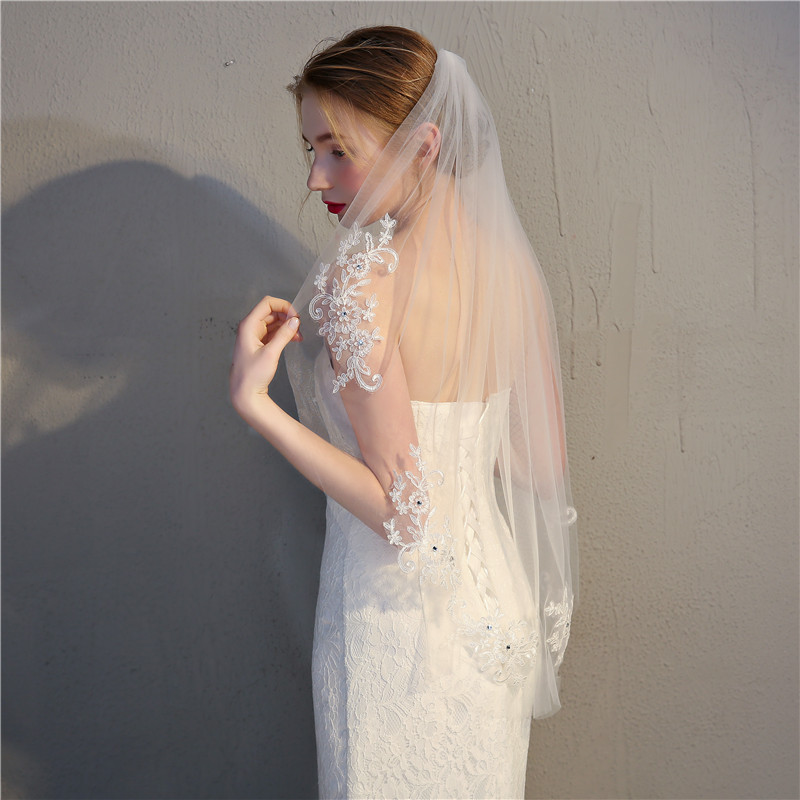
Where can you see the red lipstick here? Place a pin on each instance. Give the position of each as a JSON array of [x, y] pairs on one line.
[[335, 208]]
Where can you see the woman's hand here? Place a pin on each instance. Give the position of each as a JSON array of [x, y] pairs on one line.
[[260, 340]]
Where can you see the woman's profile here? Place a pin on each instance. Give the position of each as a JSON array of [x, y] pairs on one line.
[[423, 356]]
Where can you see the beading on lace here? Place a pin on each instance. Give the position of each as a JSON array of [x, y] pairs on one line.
[[349, 340], [434, 547], [507, 651]]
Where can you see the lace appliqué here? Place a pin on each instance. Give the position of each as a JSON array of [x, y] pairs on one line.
[[559, 633], [434, 547], [507, 651], [350, 340]]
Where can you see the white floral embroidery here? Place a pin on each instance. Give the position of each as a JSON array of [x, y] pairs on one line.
[[559, 633], [351, 342], [434, 547], [508, 652]]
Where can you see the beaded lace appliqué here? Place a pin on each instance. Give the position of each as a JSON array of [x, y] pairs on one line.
[[435, 547], [507, 651], [350, 340]]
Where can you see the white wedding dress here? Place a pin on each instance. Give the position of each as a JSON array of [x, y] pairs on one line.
[[383, 729], [435, 643]]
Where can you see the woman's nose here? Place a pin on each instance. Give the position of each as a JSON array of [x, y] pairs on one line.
[[317, 178]]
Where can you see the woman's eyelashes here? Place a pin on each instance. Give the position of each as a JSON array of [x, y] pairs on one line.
[[337, 153]]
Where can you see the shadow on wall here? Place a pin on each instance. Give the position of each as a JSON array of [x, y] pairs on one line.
[[160, 562]]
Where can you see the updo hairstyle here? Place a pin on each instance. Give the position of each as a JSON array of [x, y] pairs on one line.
[[379, 73]]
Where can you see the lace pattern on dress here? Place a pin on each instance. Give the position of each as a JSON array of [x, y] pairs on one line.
[[349, 339]]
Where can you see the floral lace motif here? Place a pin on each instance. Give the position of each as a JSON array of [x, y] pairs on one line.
[[435, 547], [557, 640], [508, 651], [350, 341]]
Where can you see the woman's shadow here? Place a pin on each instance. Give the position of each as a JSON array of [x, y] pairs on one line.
[[160, 561]]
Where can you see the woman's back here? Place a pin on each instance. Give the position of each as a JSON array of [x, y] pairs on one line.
[[443, 344]]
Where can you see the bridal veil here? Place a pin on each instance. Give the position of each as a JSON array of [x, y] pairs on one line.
[[429, 276]]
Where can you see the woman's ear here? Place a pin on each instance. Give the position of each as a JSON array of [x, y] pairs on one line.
[[431, 140]]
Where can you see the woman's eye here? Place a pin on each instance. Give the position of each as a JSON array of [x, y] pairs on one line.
[[339, 153], [309, 149]]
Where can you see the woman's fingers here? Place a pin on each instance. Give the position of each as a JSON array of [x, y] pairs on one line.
[[276, 323], [265, 318], [262, 335], [271, 308], [283, 335], [268, 310]]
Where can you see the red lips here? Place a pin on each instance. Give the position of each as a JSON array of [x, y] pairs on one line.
[[335, 208]]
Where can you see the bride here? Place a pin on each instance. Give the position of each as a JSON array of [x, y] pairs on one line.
[[423, 357]]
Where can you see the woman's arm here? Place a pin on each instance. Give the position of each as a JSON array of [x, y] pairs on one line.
[[262, 335], [348, 481]]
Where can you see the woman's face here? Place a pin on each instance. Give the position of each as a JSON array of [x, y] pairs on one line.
[[337, 177]]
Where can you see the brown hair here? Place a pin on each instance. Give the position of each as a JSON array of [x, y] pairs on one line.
[[379, 72]]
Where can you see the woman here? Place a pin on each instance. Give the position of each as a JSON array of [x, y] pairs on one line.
[[426, 375]]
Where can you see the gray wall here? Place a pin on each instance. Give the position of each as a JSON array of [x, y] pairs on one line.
[[160, 562]]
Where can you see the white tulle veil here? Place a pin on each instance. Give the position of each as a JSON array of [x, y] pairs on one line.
[[430, 268]]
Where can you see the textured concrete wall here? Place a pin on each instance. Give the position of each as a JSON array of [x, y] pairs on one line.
[[160, 562]]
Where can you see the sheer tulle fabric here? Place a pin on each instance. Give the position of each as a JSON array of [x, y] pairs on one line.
[[428, 320]]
